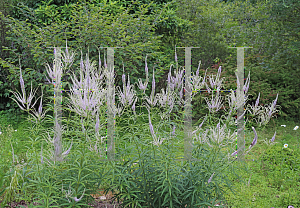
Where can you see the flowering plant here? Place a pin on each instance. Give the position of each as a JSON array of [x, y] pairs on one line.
[[146, 185]]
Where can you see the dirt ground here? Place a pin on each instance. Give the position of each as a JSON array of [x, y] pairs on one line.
[[101, 201]]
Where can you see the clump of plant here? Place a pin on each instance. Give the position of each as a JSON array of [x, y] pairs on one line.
[[151, 174]]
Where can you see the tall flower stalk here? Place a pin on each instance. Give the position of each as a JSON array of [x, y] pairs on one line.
[[128, 96], [56, 75], [90, 103], [26, 102], [87, 96]]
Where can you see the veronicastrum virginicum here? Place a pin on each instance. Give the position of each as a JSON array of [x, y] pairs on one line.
[[173, 82]]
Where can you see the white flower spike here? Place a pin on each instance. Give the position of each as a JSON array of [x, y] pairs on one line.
[[209, 180], [273, 138], [254, 140]]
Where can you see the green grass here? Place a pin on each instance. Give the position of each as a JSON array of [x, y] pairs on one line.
[[275, 175]]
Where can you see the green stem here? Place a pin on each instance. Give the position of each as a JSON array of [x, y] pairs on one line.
[[141, 161], [214, 153], [154, 153], [37, 163]]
